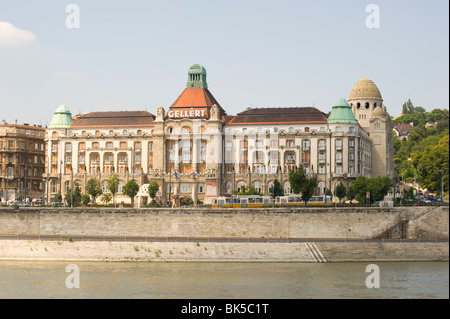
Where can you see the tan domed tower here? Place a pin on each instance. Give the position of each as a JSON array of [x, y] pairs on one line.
[[367, 105]]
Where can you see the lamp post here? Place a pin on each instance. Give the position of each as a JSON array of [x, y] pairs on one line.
[[60, 194], [442, 185], [232, 188]]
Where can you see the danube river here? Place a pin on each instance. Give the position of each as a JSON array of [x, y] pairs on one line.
[[190, 280]]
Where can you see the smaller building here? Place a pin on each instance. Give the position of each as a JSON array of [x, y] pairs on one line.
[[22, 162], [402, 130]]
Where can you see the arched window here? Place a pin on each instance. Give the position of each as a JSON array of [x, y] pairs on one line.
[[367, 105], [228, 188], [240, 184], [358, 106], [287, 188], [257, 186]]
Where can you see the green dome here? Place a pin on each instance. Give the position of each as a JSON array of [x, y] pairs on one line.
[[342, 113], [62, 118]]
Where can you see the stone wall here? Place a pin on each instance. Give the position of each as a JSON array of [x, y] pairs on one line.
[[433, 225], [252, 223]]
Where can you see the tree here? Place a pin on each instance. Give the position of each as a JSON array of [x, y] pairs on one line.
[[340, 191], [153, 189], [308, 188], [106, 198], [408, 107], [93, 188], [85, 199], [276, 189], [378, 187], [300, 183], [358, 188], [113, 185], [76, 197], [130, 189], [297, 178]]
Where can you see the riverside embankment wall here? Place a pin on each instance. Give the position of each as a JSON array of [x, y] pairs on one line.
[[233, 223]]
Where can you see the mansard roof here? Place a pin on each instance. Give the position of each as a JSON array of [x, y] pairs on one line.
[[282, 115], [113, 119]]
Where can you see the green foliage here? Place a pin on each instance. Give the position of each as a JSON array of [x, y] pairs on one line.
[[377, 186], [112, 185], [76, 197], [130, 189], [408, 107], [276, 189], [153, 189], [106, 198], [93, 188], [300, 183], [340, 191], [247, 191], [424, 147], [85, 199]]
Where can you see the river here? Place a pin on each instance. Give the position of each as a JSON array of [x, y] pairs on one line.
[[191, 280]]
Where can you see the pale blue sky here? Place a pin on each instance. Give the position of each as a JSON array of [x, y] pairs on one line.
[[134, 55]]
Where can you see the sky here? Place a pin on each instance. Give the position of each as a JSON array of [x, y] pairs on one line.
[[134, 55]]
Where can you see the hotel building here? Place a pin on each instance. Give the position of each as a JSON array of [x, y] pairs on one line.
[[195, 149]]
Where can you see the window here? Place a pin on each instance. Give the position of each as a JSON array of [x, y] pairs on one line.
[[358, 106], [81, 146], [125, 132], [123, 145], [351, 170], [185, 188], [305, 145], [201, 188], [139, 132], [338, 144], [68, 147], [274, 143], [137, 146], [137, 158], [306, 129], [291, 130], [351, 143], [275, 129], [109, 145], [351, 156], [97, 133], [321, 169], [338, 169], [150, 146], [351, 130], [95, 144], [111, 132], [83, 133], [54, 135], [367, 105], [290, 143]]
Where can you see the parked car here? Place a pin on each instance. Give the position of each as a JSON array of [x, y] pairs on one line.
[[18, 203]]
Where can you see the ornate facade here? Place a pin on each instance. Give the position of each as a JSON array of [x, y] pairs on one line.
[[194, 149], [21, 162]]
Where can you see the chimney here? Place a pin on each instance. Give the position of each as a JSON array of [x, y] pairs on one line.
[[4, 122]]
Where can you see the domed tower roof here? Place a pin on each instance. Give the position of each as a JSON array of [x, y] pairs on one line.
[[378, 111], [365, 88], [62, 118], [342, 113]]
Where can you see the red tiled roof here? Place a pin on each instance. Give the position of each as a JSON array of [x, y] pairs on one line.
[[113, 119], [195, 97], [285, 115], [403, 129]]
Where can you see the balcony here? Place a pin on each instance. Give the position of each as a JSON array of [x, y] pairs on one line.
[[339, 160], [322, 160], [338, 147], [306, 147], [110, 163], [322, 147]]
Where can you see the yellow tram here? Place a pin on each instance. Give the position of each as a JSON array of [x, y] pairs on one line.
[[242, 201]]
